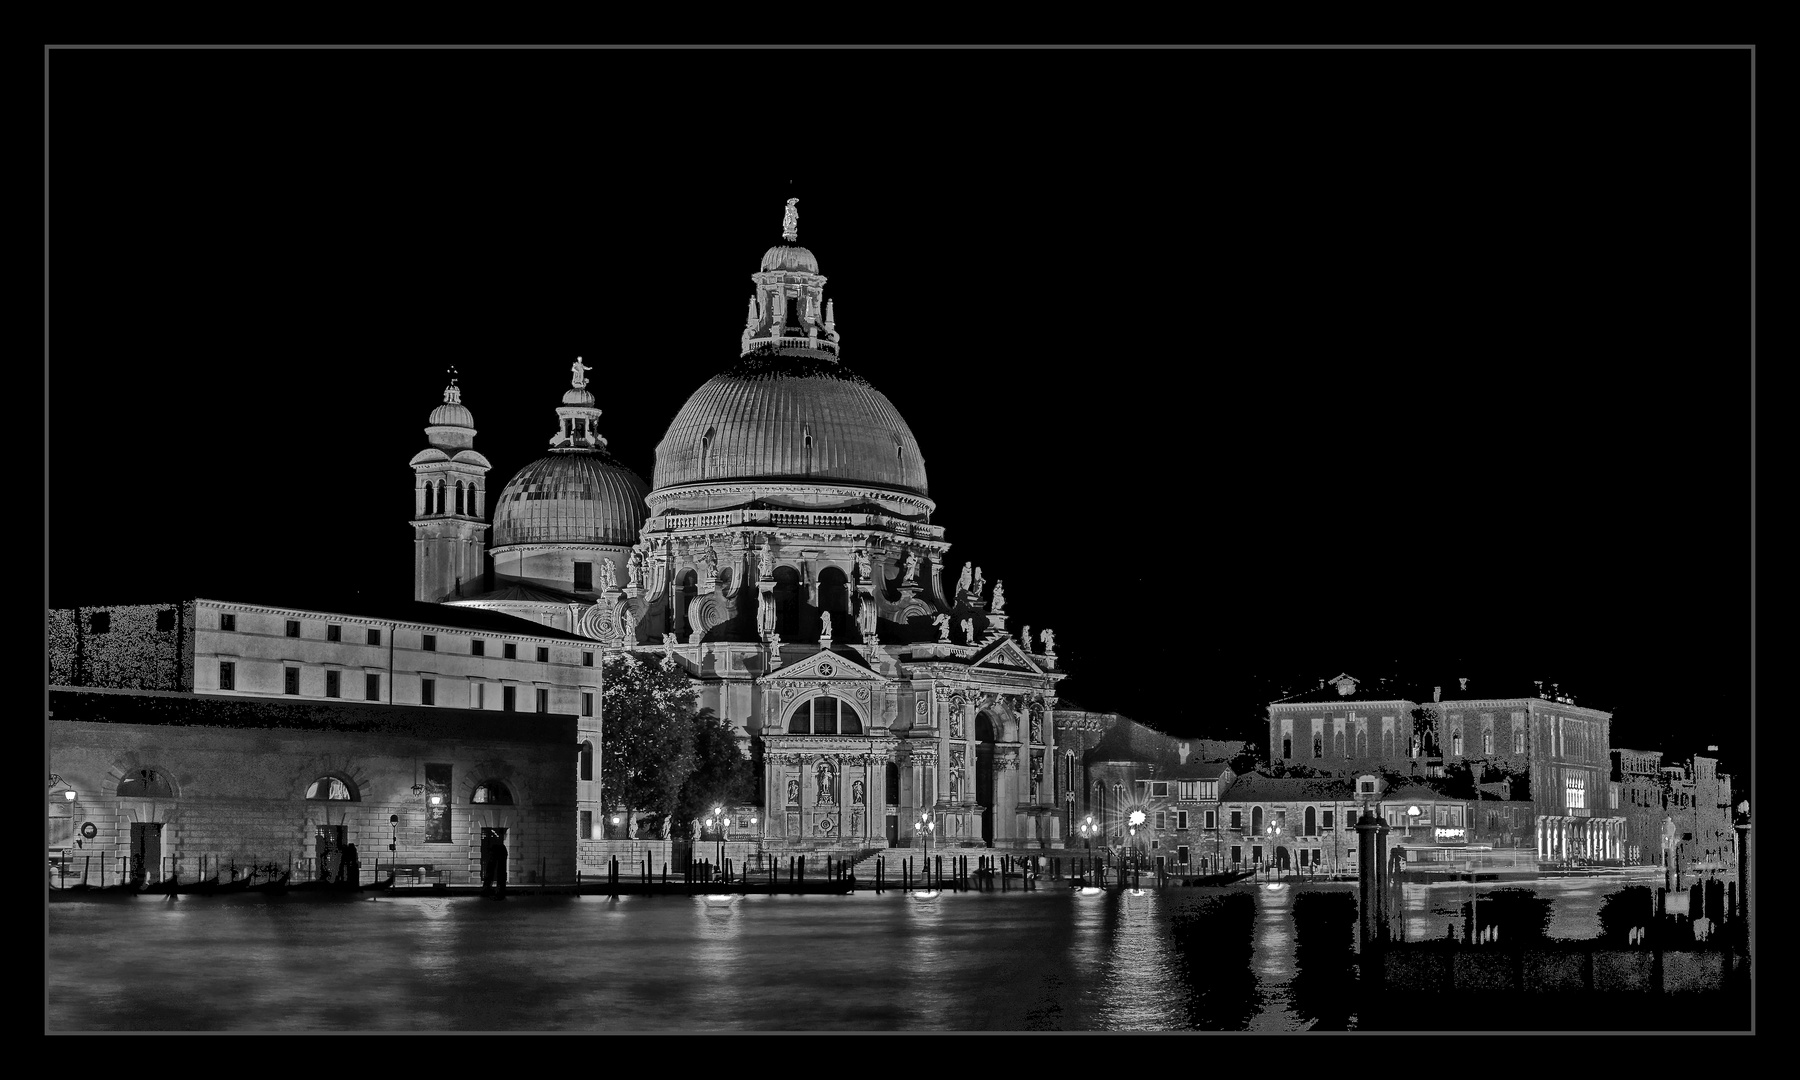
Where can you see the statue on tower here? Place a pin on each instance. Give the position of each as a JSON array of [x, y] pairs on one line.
[[1049, 639], [824, 629], [580, 370], [790, 222], [942, 622], [863, 570], [634, 568], [962, 579], [968, 629], [1025, 638], [980, 584], [912, 568]]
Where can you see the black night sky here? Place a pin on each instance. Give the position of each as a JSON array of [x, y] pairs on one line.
[[1240, 368]]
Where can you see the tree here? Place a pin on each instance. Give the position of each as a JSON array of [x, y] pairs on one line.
[[721, 775], [648, 715]]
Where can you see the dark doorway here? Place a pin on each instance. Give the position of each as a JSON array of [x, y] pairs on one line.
[[686, 589], [787, 603], [1281, 858], [146, 850], [893, 830], [984, 775], [328, 840], [834, 597], [492, 841]]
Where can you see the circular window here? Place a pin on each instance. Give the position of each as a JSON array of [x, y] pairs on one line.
[[826, 670], [89, 830]]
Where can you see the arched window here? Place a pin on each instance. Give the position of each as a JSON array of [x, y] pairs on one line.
[[1256, 820], [834, 594], [459, 497], [440, 498], [493, 793], [706, 445], [984, 727], [1456, 744], [787, 603], [331, 788], [1340, 744], [1312, 828], [146, 784], [686, 588], [1318, 746], [587, 761], [825, 716]]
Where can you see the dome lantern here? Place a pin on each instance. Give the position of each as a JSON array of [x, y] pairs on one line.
[[788, 313]]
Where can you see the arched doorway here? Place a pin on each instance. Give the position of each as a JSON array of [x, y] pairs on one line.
[[984, 774], [686, 587]]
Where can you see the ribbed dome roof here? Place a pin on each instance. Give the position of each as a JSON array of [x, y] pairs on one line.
[[752, 422], [571, 497], [451, 415], [790, 257]]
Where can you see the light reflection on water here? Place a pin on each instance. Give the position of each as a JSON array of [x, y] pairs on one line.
[[1046, 960]]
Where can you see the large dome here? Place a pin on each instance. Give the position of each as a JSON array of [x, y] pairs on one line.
[[786, 417], [581, 496]]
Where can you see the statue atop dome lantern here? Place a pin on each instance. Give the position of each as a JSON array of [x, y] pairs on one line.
[[579, 377], [790, 222], [453, 392]]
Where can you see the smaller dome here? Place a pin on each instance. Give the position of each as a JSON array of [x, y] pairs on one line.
[[577, 396], [452, 414], [790, 257]]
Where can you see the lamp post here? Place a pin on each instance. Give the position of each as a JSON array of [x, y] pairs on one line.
[[926, 825], [1136, 819], [758, 830], [1274, 834], [717, 821]]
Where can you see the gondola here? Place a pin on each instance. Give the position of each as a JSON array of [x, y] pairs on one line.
[[193, 888], [226, 888], [339, 888], [168, 886], [272, 887], [1227, 878], [84, 891]]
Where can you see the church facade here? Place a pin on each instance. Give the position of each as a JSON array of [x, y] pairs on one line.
[[784, 556]]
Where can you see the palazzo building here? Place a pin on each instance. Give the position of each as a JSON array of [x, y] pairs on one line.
[[784, 556], [1346, 728]]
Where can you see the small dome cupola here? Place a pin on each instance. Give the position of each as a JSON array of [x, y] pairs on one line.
[[452, 425], [577, 415], [788, 312]]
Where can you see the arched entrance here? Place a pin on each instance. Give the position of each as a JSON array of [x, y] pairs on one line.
[[686, 588], [787, 603], [984, 774], [834, 597]]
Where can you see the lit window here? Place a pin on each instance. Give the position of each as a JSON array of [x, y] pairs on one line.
[[330, 788], [543, 700], [494, 793], [146, 784]]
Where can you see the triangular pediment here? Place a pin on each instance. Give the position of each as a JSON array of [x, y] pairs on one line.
[[823, 666], [1005, 653]]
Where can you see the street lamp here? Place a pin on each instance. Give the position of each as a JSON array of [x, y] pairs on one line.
[[717, 821], [1137, 818], [1274, 834], [926, 825]]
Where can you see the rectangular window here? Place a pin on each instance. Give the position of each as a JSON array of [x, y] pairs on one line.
[[1256, 853], [1237, 821], [511, 650], [543, 700], [543, 654], [1237, 854], [1187, 789], [100, 622], [1159, 789], [1161, 820], [437, 804], [1287, 747], [293, 628], [374, 637], [1212, 820], [428, 691], [428, 643], [509, 698], [331, 684], [1487, 742], [587, 703], [1209, 789], [227, 621], [227, 675], [1325, 819], [587, 825], [477, 647], [1181, 855], [165, 622], [1518, 742], [372, 687], [334, 632], [587, 659], [478, 695], [584, 577], [290, 681], [1181, 819]]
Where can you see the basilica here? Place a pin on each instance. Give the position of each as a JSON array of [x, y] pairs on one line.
[[783, 554]]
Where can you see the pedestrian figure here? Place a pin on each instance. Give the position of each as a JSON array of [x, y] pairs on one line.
[[352, 865]]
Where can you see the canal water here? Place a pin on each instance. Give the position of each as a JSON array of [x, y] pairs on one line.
[[1246, 958]]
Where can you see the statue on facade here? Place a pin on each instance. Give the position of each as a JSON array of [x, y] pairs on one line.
[[822, 772], [628, 625], [1037, 770], [962, 579], [634, 568], [955, 786], [669, 639], [956, 723], [608, 576], [580, 371], [1049, 639], [863, 570], [793, 793], [942, 622], [1037, 726], [760, 556], [968, 629], [999, 604], [824, 629], [1025, 638], [856, 793], [912, 568], [980, 584]]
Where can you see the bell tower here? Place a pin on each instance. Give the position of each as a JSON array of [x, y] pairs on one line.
[[449, 505]]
